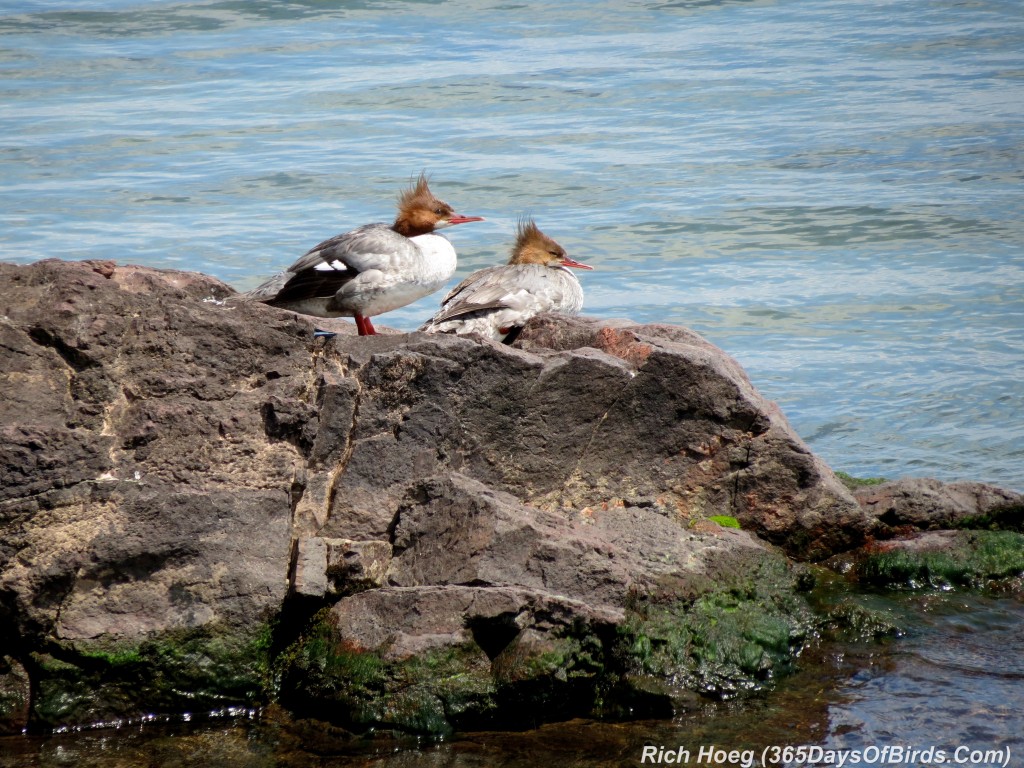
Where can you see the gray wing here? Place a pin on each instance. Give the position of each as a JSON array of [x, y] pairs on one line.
[[482, 290], [475, 287], [326, 267], [525, 288]]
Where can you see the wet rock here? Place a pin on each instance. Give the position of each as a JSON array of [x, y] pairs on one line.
[[15, 696], [171, 461], [926, 504], [945, 560], [530, 606], [437, 657]]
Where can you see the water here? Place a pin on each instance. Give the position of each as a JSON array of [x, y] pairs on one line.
[[830, 191], [962, 652]]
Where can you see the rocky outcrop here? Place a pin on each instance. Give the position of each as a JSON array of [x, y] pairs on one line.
[[517, 604], [144, 516], [926, 504], [608, 415], [932, 534], [198, 499]]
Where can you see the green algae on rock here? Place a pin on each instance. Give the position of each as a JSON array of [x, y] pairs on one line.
[[1009, 517], [463, 681], [180, 671], [852, 482], [945, 559], [515, 657], [361, 690], [734, 639], [15, 695]]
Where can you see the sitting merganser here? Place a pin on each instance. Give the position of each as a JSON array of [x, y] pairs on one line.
[[497, 301], [374, 268]]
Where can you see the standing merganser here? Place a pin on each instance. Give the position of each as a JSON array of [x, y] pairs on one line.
[[497, 301], [374, 268]]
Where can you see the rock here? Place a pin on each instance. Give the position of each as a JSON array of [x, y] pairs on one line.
[[339, 566], [353, 566], [15, 696], [946, 560], [454, 530], [708, 438], [482, 655], [926, 504], [533, 520], [685, 433], [309, 574], [516, 597], [142, 504]]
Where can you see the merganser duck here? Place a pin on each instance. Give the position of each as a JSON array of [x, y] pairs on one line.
[[374, 268], [497, 301]]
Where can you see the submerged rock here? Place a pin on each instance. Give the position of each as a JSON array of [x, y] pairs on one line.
[[474, 528]]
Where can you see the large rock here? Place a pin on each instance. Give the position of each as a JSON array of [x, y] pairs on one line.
[[926, 504], [593, 416], [144, 513], [171, 462]]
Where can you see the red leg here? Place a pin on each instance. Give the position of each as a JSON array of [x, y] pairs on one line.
[[364, 326]]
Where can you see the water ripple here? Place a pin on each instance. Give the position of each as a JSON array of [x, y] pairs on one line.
[[830, 191]]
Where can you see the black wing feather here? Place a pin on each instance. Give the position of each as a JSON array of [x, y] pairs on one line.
[[314, 283]]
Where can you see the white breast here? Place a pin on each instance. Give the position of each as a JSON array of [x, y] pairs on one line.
[[438, 262], [401, 279]]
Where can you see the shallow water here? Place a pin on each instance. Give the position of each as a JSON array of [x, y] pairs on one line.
[[954, 680], [830, 191]]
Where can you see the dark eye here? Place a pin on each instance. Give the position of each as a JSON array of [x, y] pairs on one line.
[[556, 254], [439, 211]]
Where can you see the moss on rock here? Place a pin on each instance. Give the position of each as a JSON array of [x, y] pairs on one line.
[[1009, 517], [736, 638], [14, 696], [361, 689], [182, 671], [973, 559], [853, 483]]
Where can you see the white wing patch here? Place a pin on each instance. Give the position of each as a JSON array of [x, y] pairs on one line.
[[332, 266]]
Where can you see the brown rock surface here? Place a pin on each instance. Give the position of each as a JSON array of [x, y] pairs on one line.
[[168, 460], [926, 504]]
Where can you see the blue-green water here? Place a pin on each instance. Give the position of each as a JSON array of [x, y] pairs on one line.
[[830, 191]]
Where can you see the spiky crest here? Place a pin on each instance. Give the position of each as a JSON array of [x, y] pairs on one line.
[[534, 247]]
